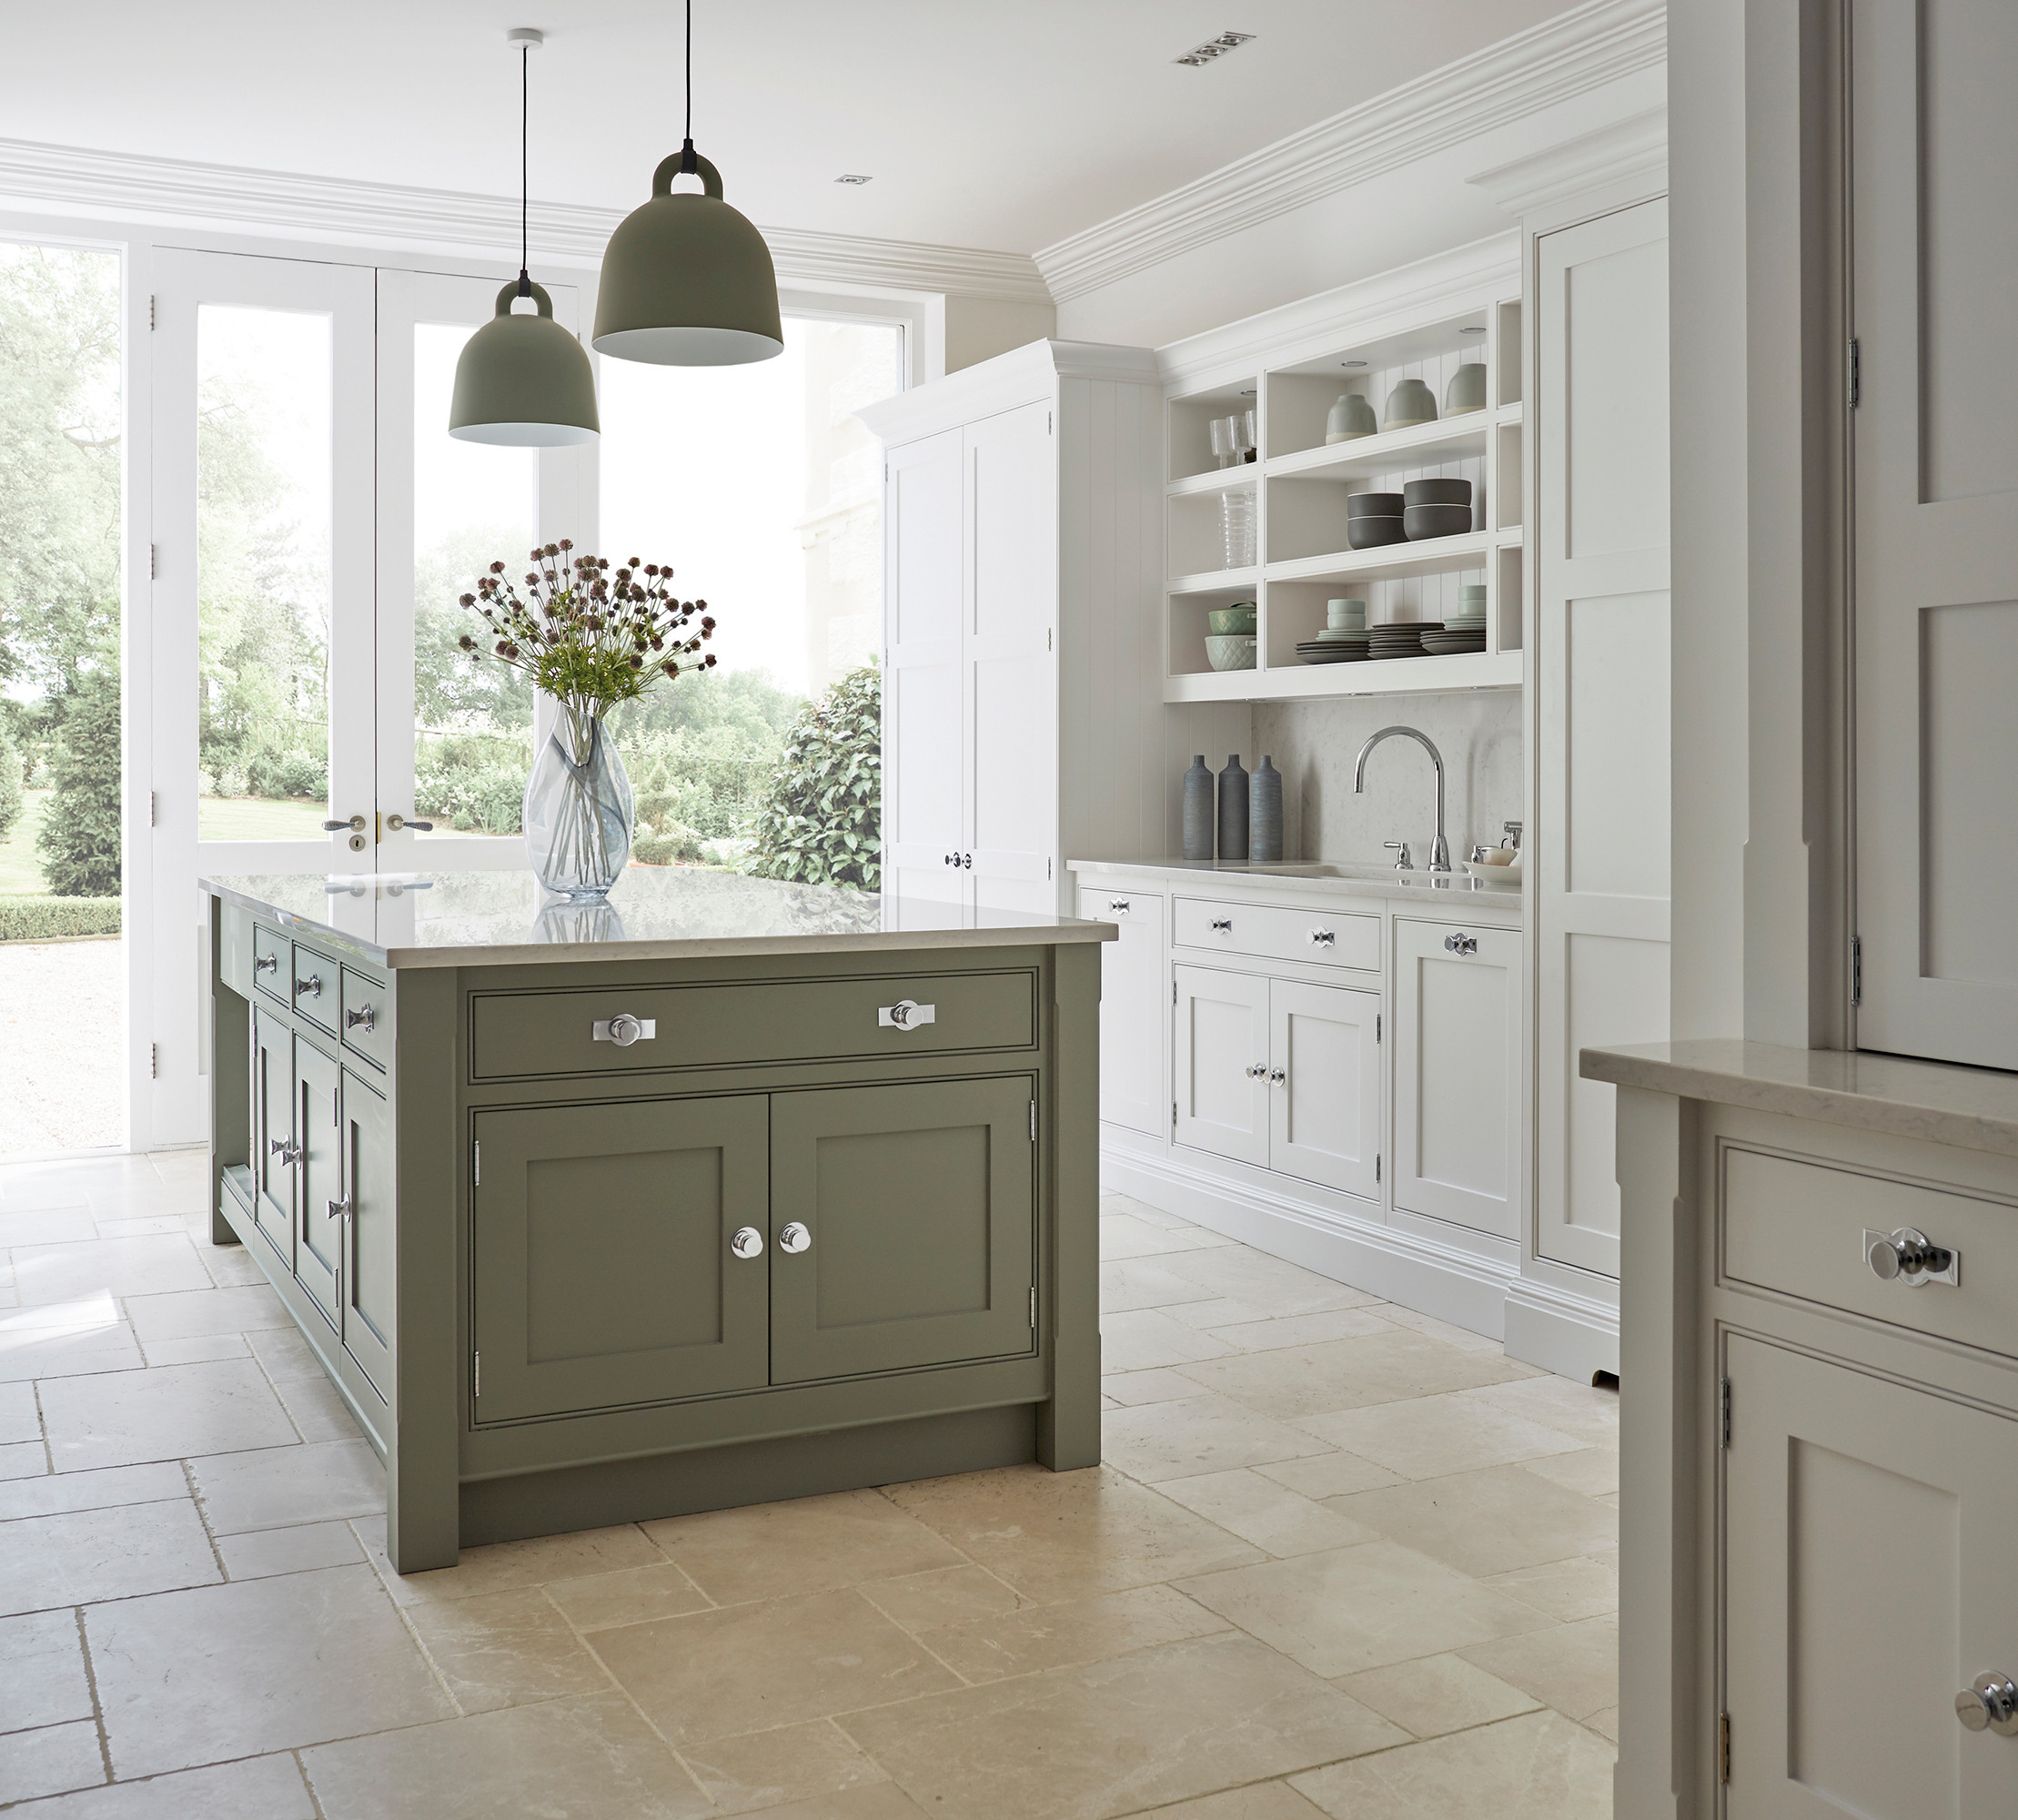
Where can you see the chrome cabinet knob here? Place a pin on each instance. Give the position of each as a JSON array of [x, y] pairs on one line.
[[623, 1029], [1461, 944], [748, 1242], [362, 1018], [1908, 1255], [1117, 906], [1322, 938], [1279, 1076], [337, 1209], [266, 964], [287, 1149], [1224, 924], [1990, 1703], [906, 1014], [1256, 1070], [311, 987], [794, 1238]]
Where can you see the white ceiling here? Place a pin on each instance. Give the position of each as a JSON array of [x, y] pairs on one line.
[[984, 124]]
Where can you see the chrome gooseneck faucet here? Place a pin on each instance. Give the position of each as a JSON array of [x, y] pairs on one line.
[[1439, 851]]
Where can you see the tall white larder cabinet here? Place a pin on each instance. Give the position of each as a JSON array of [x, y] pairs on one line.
[[1023, 719]]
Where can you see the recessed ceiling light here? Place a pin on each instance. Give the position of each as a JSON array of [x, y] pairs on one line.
[[1473, 329], [1213, 49], [1352, 363], [851, 176]]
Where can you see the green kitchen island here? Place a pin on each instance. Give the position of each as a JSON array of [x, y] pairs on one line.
[[724, 1191]]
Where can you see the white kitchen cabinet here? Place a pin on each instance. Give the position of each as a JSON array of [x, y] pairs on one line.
[[1220, 1054], [1456, 1062], [1135, 1006]]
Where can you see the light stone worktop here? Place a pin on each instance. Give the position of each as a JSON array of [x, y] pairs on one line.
[[1973, 1108], [1307, 878], [452, 918]]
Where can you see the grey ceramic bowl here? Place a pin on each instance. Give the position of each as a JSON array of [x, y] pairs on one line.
[[1370, 534], [1466, 390], [1436, 493], [1410, 402], [1373, 505], [1419, 521]]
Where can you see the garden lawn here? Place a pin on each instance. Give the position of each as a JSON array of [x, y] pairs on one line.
[[20, 865], [260, 818]]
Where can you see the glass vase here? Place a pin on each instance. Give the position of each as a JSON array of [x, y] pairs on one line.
[[577, 809]]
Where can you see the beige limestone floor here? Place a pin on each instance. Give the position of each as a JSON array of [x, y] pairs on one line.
[[1341, 1560]]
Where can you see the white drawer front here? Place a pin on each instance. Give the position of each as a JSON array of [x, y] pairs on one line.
[[1272, 931], [1799, 1227]]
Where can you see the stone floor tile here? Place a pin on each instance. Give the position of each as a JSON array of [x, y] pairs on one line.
[[1580, 1410], [588, 1757], [122, 1418], [284, 1355], [1219, 1311], [49, 1761], [800, 1545], [256, 1788], [1139, 1283], [274, 1487], [505, 1649], [58, 1492], [791, 1762], [1566, 1591], [878, 1801], [1489, 1521], [777, 1663], [1066, 1536], [628, 1595], [1352, 1608], [258, 1665], [1124, 1235], [1144, 1338], [1462, 1338], [21, 1421], [112, 1266], [316, 1409], [1300, 1330], [24, 1460], [1112, 1737], [1593, 1471], [188, 1314], [1130, 1388], [197, 1350], [1431, 1437], [1329, 1475], [1200, 1434], [1271, 1283], [1299, 1382], [1435, 1694], [1610, 1499], [45, 1226], [297, 1549], [229, 1267], [1536, 1767], [153, 1194], [1572, 1667], [944, 1595], [499, 1565], [1268, 1515], [42, 1673], [64, 1340], [1605, 1724], [1113, 1202], [86, 1555], [138, 1225], [1256, 1800], [1082, 1630]]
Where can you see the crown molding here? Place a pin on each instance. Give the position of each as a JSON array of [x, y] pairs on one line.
[[1629, 153], [1550, 63], [123, 187], [1002, 383]]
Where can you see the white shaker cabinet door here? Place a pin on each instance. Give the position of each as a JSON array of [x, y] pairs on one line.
[[1220, 1049], [1324, 1077], [1134, 1006], [1456, 1043], [1868, 1582]]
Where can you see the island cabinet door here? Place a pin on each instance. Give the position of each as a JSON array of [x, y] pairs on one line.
[[318, 1175], [902, 1226], [365, 1274], [273, 1133], [605, 1256]]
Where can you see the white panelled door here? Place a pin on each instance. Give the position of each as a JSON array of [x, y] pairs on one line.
[[1221, 1054], [1324, 1080], [1598, 834], [1934, 208]]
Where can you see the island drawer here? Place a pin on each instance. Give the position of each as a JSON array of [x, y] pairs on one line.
[[318, 987], [1798, 1227], [1274, 932], [272, 955], [531, 1035], [367, 1017]]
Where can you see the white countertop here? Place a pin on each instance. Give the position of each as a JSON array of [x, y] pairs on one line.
[[493, 918], [1936, 1102], [1307, 878]]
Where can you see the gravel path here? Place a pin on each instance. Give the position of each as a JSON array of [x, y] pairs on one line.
[[63, 1031]]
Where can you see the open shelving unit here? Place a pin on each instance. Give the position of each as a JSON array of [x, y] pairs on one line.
[[1301, 484]]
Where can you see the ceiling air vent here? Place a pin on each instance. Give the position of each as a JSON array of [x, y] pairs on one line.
[[1213, 49]]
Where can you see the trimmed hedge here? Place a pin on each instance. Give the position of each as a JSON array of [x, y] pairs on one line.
[[55, 919]]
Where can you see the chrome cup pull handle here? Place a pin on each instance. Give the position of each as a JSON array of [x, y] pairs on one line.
[[623, 1029], [906, 1014]]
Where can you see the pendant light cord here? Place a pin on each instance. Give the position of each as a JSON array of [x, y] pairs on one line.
[[686, 162], [525, 131]]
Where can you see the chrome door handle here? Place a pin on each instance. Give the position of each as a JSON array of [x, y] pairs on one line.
[[748, 1242], [1117, 906], [363, 1018], [339, 1207], [623, 1030], [1908, 1255], [794, 1239], [353, 824], [266, 964], [1990, 1703], [311, 987], [1279, 1076], [906, 1014], [1461, 944], [395, 821], [287, 1149], [1224, 924], [1322, 938]]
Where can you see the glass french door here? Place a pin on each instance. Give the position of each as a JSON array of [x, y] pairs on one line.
[[313, 523]]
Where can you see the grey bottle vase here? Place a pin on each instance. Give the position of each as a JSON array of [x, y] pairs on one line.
[[1232, 809], [1198, 810], [1265, 811]]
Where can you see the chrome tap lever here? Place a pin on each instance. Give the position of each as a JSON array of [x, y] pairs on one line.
[[1402, 862]]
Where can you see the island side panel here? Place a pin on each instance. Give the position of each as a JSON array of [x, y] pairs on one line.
[[1068, 1426], [230, 1073], [430, 1366]]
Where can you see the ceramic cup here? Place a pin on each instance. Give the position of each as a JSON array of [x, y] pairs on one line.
[[1346, 613], [1466, 390], [1410, 402], [1350, 418]]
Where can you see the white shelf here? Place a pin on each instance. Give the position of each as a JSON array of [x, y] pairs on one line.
[[1391, 561], [1218, 582], [1220, 480], [1383, 676], [1510, 536], [1507, 413], [1421, 445]]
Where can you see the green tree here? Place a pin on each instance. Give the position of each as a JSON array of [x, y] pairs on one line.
[[11, 798], [821, 820], [79, 838]]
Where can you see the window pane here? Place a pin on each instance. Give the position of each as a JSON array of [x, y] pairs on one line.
[[263, 533], [473, 504]]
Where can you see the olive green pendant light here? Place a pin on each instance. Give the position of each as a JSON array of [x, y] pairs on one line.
[[523, 380], [687, 282]]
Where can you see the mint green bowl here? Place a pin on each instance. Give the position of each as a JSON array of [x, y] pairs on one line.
[[1231, 622]]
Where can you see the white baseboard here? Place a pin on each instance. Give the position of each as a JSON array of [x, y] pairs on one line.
[[1560, 1331]]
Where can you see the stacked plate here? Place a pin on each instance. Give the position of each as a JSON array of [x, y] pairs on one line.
[[1465, 629], [1333, 650], [1403, 639]]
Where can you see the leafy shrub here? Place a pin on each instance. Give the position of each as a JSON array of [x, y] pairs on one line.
[[822, 819], [11, 798], [52, 919], [665, 849], [471, 782], [79, 838], [288, 774], [707, 784]]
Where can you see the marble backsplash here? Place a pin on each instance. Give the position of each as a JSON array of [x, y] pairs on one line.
[[1313, 745]]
